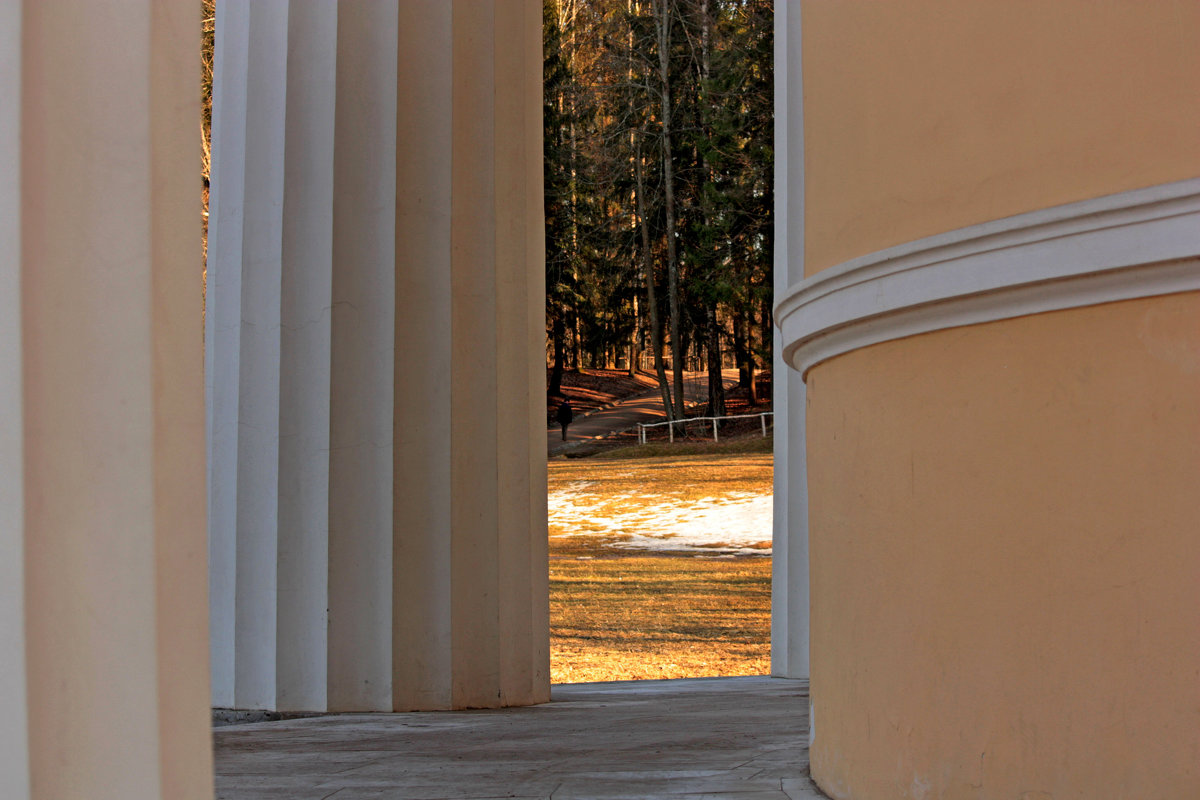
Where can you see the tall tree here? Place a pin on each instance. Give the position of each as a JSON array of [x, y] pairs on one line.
[[556, 83], [656, 328], [664, 18]]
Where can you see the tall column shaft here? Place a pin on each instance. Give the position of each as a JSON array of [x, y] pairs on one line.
[[305, 345], [789, 565], [421, 618], [258, 402], [364, 312], [14, 724], [103, 606], [521, 377], [222, 337], [474, 480]]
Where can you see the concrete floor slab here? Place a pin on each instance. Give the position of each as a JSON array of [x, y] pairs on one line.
[[738, 738]]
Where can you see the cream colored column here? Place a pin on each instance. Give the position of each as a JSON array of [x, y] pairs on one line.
[[222, 335], [14, 730], [360, 456], [305, 341], [102, 382], [470, 604], [521, 312], [422, 541], [258, 400], [475, 418], [789, 570], [271, 233]]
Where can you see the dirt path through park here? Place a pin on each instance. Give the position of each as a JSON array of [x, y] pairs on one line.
[[624, 414]]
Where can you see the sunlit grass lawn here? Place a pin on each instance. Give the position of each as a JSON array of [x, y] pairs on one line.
[[617, 615]]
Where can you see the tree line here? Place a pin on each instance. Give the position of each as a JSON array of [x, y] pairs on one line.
[[658, 122]]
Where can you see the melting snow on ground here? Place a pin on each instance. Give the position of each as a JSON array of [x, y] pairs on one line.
[[738, 523]]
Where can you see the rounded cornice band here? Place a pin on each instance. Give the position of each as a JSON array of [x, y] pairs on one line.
[[1134, 244]]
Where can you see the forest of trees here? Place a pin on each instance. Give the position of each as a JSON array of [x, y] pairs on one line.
[[659, 168]]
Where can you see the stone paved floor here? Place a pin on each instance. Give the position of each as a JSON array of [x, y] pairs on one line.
[[741, 738]]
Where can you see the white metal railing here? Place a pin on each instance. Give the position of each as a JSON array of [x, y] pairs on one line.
[[642, 426]]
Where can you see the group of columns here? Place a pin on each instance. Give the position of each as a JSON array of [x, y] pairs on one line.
[[373, 391], [374, 332], [374, 346]]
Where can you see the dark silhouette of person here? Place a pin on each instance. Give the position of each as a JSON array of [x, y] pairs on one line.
[[564, 416]]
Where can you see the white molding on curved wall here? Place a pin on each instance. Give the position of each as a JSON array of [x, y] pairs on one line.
[[1134, 244]]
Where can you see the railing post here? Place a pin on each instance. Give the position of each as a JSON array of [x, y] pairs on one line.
[[763, 419], [715, 439], [671, 429]]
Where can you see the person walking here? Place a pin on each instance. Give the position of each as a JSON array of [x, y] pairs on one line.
[[564, 416]]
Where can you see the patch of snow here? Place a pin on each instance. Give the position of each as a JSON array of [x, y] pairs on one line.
[[736, 523]]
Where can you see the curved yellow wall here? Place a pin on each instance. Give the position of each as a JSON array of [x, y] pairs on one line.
[[930, 115], [1005, 551]]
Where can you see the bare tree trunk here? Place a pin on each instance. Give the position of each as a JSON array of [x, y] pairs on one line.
[[567, 12], [716, 385], [662, 21], [633, 341], [558, 335], [635, 355], [656, 332], [750, 377], [576, 343], [766, 334], [739, 348]]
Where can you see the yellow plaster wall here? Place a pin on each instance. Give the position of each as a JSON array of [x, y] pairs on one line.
[[1005, 550], [930, 115]]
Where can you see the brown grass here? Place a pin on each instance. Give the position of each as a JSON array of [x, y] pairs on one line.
[[685, 477], [618, 616]]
